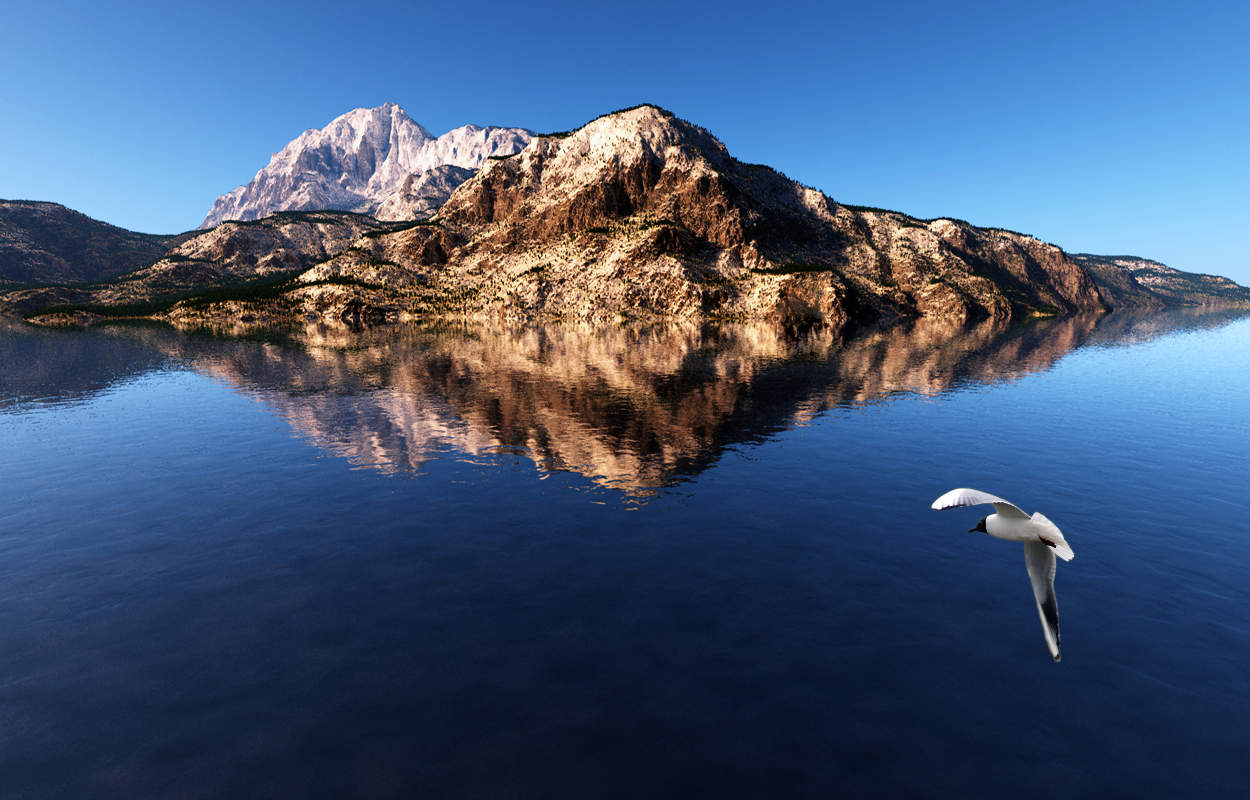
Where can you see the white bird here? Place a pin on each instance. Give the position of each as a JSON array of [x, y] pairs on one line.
[[1042, 542]]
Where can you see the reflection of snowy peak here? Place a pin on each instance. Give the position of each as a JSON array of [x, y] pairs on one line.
[[358, 161]]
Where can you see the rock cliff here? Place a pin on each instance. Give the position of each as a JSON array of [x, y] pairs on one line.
[[422, 193]]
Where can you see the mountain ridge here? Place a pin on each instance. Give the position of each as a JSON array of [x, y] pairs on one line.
[[356, 163], [45, 242], [1133, 281], [640, 212], [635, 215]]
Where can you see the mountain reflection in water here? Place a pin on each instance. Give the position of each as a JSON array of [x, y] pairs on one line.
[[631, 408]]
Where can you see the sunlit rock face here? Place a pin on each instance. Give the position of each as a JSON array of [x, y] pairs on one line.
[[422, 193], [360, 162]]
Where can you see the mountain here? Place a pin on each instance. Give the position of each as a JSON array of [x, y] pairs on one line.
[[639, 213], [358, 161], [49, 243], [636, 215], [1134, 282], [422, 193]]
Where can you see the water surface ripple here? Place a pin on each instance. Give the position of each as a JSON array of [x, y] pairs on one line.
[[650, 561]]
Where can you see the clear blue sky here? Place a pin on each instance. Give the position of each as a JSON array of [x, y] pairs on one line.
[[1103, 127]]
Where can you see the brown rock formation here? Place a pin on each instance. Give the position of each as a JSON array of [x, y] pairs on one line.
[[641, 214]]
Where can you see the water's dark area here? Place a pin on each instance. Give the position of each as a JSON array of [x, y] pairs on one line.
[[661, 561]]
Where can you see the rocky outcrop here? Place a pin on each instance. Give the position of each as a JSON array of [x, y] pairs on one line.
[[360, 162], [49, 243]]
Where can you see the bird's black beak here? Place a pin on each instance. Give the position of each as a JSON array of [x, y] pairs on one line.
[[974, 530]]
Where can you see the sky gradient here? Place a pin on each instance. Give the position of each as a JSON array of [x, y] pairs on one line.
[[1115, 128]]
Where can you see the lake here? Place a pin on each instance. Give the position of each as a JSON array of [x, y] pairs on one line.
[[527, 562]]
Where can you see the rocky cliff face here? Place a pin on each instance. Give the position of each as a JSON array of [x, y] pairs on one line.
[[357, 162], [639, 213], [49, 243]]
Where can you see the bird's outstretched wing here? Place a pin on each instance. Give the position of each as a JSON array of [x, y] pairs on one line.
[[1040, 559], [957, 498], [1052, 532]]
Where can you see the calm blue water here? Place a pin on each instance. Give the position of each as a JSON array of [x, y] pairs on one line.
[[654, 562]]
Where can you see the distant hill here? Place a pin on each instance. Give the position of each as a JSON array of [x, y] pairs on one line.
[[1134, 282], [49, 243], [231, 254]]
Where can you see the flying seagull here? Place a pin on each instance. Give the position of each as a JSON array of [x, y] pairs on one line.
[[1042, 542]]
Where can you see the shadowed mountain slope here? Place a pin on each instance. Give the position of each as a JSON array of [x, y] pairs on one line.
[[49, 243]]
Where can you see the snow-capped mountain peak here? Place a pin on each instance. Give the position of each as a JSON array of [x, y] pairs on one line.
[[357, 162]]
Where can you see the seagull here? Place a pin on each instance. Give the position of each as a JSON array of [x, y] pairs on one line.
[[1042, 542]]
